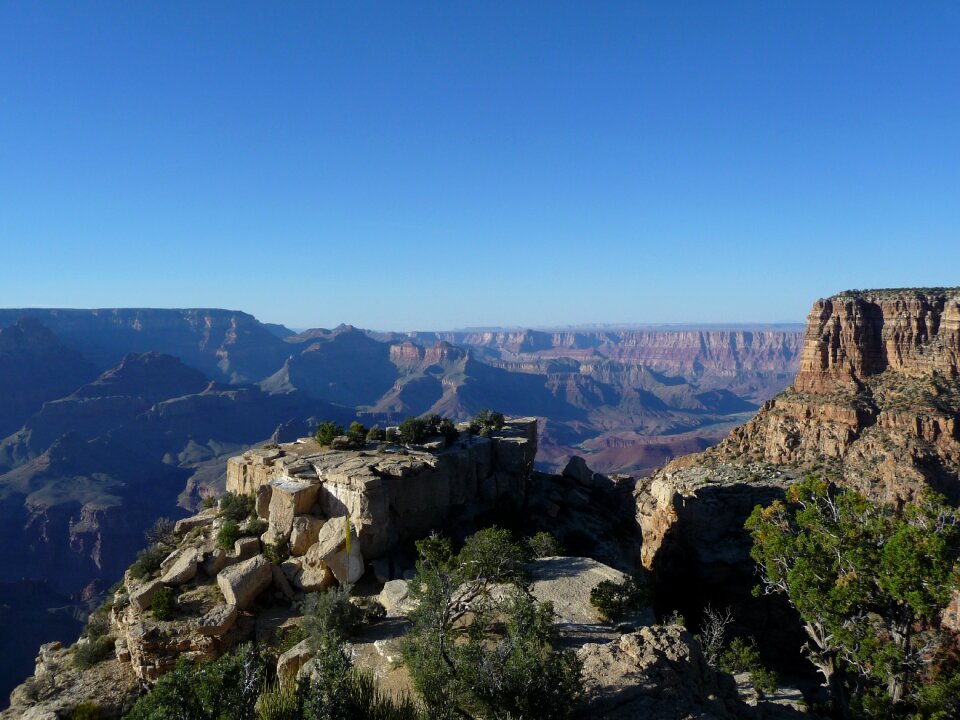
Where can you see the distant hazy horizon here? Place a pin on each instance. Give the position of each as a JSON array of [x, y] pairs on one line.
[[494, 164]]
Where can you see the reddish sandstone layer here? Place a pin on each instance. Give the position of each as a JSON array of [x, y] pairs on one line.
[[876, 400]]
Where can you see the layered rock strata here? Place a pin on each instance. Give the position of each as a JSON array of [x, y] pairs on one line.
[[875, 406]]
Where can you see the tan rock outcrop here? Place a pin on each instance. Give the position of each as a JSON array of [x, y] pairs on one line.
[[656, 673], [241, 583], [391, 496], [338, 548], [306, 530]]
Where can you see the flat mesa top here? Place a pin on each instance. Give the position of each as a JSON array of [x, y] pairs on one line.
[[900, 292]]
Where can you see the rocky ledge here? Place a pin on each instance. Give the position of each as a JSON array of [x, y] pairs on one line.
[[390, 494]]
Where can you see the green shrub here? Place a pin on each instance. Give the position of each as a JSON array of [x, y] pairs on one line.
[[276, 552], [87, 710], [743, 656], [88, 654], [163, 604], [331, 614], [278, 703], [391, 435], [472, 653], [228, 535], [374, 612], [376, 434], [412, 431], [486, 422], [357, 434], [148, 561], [287, 637], [543, 544], [254, 528], [617, 600], [222, 689], [208, 501], [448, 430], [327, 431], [98, 625], [237, 507]]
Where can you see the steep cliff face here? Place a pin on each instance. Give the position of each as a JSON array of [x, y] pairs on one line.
[[678, 352], [875, 405], [876, 399]]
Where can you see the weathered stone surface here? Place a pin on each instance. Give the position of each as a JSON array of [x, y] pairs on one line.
[[289, 498], [215, 562], [58, 686], [202, 519], [142, 596], [264, 493], [245, 548], [314, 577], [289, 664], [566, 582], [656, 673], [331, 550], [218, 621], [241, 583], [395, 598], [306, 528], [183, 569]]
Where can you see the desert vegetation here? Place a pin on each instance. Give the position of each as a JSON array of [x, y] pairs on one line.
[[868, 581]]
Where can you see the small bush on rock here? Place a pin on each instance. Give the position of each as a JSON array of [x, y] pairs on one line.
[[228, 535], [148, 561], [331, 614], [617, 600], [161, 532], [87, 654], [87, 710], [327, 431], [163, 604], [357, 434], [544, 544], [255, 528], [237, 507], [376, 434]]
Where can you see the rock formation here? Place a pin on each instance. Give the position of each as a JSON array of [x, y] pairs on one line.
[[389, 495], [875, 406]]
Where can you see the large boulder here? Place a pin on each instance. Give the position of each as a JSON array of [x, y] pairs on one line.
[[184, 568], [289, 498], [656, 673], [241, 583], [201, 519], [314, 578], [331, 549], [306, 530], [142, 597], [218, 620], [395, 598], [567, 583], [289, 664]]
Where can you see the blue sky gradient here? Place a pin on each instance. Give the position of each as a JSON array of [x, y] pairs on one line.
[[436, 165]]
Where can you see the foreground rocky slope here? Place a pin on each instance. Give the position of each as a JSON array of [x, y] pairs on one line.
[[342, 514]]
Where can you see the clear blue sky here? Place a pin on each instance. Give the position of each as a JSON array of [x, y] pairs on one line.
[[413, 165]]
